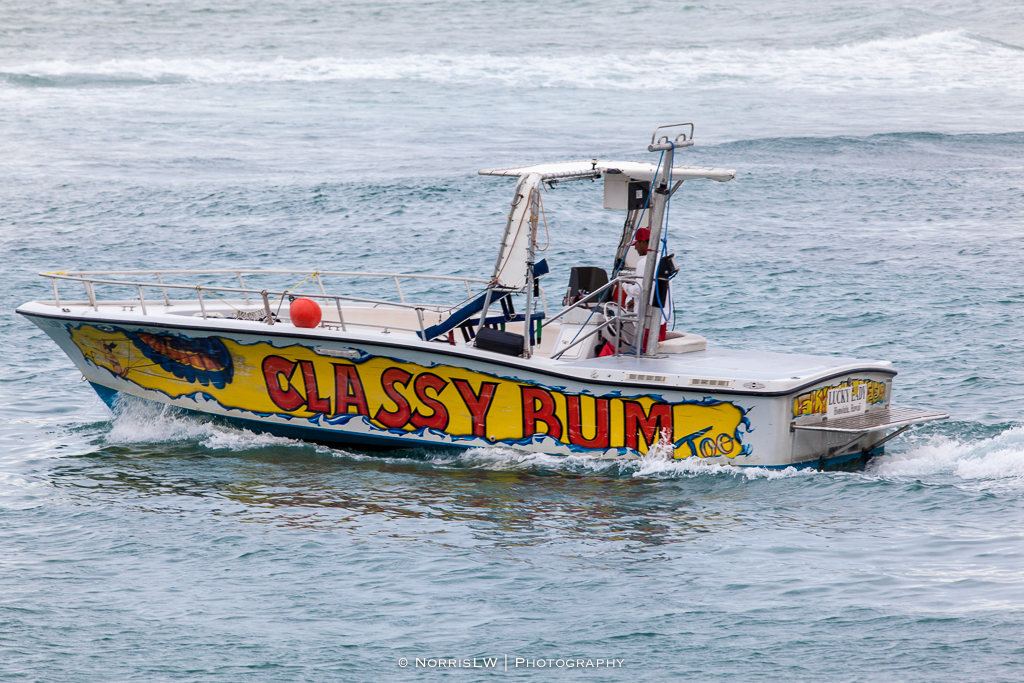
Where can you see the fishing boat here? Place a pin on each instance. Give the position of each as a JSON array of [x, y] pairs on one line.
[[598, 375]]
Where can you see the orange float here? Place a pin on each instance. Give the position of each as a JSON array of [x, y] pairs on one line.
[[304, 313]]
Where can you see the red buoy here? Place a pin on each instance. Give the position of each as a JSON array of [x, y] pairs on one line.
[[304, 313]]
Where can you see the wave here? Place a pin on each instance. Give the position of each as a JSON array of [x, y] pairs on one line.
[[137, 421], [21, 492], [140, 421], [654, 465], [941, 61], [994, 460], [997, 460]]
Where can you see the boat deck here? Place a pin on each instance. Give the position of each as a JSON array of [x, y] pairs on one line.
[[737, 369], [713, 370]]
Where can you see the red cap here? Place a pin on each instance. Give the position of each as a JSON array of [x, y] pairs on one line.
[[641, 235]]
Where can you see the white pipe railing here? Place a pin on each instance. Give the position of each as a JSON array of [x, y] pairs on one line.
[[90, 279], [620, 316], [236, 271]]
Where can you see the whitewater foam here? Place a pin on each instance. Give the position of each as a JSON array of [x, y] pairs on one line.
[[995, 459], [503, 459], [998, 459], [140, 421], [652, 465], [692, 467], [937, 61]]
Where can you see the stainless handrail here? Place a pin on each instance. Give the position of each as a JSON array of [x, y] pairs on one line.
[[240, 284], [587, 298], [320, 283], [88, 282], [265, 295], [266, 307], [276, 294], [91, 278], [619, 318], [167, 300], [664, 138], [233, 271]]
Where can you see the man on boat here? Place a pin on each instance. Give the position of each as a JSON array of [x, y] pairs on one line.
[[641, 242]]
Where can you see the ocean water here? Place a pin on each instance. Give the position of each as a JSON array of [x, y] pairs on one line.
[[878, 211]]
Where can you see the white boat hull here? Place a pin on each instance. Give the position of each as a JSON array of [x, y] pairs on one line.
[[393, 391]]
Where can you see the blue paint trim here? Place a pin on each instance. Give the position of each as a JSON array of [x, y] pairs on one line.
[[330, 436], [108, 395], [825, 463]]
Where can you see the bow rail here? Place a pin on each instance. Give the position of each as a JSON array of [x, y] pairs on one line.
[[129, 278]]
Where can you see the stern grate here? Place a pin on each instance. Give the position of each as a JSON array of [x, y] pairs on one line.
[[888, 418]]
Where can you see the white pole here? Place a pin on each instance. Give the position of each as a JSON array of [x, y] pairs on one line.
[[650, 317]]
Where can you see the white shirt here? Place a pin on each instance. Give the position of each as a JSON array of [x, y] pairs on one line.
[[633, 290]]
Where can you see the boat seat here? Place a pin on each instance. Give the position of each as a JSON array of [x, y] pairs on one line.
[[397, 318], [463, 314], [682, 342]]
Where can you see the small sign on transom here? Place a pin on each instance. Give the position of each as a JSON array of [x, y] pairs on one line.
[[847, 401]]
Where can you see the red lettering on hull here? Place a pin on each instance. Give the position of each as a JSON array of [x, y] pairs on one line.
[[543, 413], [438, 419], [638, 422], [278, 371], [348, 391], [477, 404], [313, 400], [601, 431], [399, 417]]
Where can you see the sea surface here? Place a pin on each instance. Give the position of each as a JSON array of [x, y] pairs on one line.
[[877, 211]]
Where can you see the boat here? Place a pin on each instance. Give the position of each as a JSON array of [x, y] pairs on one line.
[[501, 366]]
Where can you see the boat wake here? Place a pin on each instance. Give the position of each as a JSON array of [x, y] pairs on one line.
[[996, 460], [656, 466], [137, 421]]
